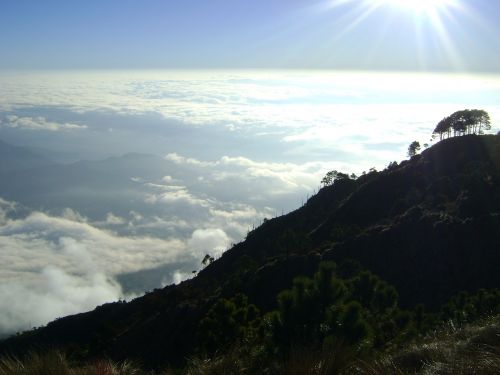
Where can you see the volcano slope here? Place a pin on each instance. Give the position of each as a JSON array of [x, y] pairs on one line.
[[429, 226]]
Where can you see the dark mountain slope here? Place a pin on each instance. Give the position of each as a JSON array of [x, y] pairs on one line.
[[432, 179], [429, 226]]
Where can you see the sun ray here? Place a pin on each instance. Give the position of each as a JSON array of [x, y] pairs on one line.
[[422, 63], [446, 42], [431, 22], [378, 38], [418, 6], [365, 13]]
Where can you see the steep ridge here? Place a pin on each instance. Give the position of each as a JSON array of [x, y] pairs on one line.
[[429, 226], [430, 223]]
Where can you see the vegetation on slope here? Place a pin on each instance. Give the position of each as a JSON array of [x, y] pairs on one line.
[[472, 348], [414, 245]]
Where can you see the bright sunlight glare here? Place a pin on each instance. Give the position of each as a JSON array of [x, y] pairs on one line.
[[419, 6], [432, 21]]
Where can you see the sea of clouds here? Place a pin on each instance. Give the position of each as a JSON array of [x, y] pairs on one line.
[[227, 150]]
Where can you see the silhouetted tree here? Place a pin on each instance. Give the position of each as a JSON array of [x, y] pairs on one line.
[[328, 179], [467, 121], [207, 259], [482, 121], [413, 148], [331, 176], [443, 128]]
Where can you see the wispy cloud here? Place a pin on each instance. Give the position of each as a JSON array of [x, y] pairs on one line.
[[39, 123]]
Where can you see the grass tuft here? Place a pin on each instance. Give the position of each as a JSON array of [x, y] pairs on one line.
[[52, 363]]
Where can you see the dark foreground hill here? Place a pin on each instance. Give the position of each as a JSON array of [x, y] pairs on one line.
[[428, 226]]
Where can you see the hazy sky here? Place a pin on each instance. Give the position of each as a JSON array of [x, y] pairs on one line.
[[353, 34]]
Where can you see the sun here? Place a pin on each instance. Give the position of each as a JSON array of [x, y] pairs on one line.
[[427, 26], [418, 6]]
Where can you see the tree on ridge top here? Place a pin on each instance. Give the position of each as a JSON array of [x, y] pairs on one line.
[[467, 121]]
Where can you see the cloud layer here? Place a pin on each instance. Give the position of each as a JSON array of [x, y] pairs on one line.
[[55, 266], [233, 148], [304, 116], [59, 265]]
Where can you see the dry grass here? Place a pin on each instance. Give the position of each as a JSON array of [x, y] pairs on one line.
[[224, 365], [469, 350], [336, 360], [56, 363], [52, 363]]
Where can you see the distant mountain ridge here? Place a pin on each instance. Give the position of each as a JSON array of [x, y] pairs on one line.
[[429, 226], [91, 187], [17, 158]]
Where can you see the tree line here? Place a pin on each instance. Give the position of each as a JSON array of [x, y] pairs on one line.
[[464, 122], [467, 121]]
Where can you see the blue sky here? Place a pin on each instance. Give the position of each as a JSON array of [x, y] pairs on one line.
[[248, 34]]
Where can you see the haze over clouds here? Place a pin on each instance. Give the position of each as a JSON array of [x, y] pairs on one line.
[[298, 116]]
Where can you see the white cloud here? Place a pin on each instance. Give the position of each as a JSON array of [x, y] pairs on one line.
[[176, 194], [114, 220], [307, 113], [39, 123], [282, 178], [178, 277], [59, 265], [40, 239], [55, 266], [54, 293], [73, 215], [179, 159], [293, 99], [167, 179], [213, 241]]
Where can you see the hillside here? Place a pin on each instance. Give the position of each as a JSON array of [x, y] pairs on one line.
[[428, 226]]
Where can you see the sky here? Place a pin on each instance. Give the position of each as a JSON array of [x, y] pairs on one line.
[[447, 35], [166, 130]]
